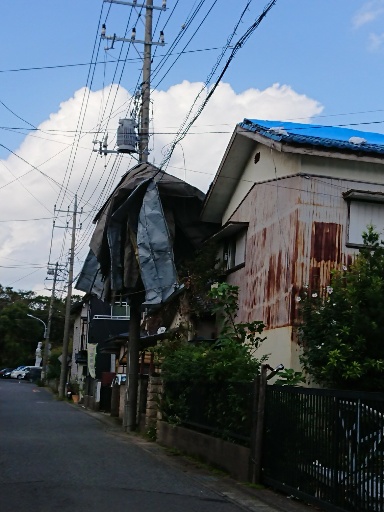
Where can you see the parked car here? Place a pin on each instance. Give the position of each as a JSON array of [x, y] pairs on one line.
[[16, 372], [5, 373], [19, 372], [33, 374]]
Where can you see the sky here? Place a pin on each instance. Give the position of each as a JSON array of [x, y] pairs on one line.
[[316, 61]]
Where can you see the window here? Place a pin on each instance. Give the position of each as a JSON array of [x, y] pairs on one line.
[[232, 239], [119, 311], [364, 208], [234, 250]]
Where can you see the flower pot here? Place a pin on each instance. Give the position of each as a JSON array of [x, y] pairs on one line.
[[75, 398]]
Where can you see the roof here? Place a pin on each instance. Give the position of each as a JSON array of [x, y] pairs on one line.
[[113, 343], [330, 141], [150, 223], [332, 137]]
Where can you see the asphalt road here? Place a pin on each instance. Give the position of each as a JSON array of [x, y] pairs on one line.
[[56, 457]]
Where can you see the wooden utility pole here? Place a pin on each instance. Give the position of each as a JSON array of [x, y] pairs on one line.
[[131, 392], [64, 356], [46, 347], [130, 410], [130, 405], [257, 434], [146, 85]]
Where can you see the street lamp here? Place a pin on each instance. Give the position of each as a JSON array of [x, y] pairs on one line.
[[45, 326]]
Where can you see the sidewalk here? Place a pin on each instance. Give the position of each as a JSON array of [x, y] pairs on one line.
[[252, 499]]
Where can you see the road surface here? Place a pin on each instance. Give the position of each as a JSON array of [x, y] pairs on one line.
[[54, 456]]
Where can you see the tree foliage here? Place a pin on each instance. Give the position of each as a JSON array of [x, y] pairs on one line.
[[343, 326], [231, 357], [215, 377], [19, 334]]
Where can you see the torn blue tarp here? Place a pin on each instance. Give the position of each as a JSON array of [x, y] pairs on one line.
[[90, 279], [158, 271], [149, 224]]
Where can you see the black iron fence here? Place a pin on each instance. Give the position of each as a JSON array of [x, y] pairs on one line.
[[222, 409], [325, 446]]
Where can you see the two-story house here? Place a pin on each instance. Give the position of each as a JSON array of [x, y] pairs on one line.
[[293, 201]]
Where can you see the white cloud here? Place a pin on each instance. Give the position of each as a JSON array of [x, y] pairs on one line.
[[196, 158], [203, 148], [369, 12]]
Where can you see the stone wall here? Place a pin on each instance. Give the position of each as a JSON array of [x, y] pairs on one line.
[[230, 457], [152, 413]]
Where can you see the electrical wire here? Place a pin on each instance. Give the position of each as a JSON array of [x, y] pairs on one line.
[[113, 61], [240, 43], [215, 67], [80, 121]]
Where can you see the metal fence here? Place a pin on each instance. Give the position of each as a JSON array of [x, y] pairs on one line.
[[222, 409], [326, 447]]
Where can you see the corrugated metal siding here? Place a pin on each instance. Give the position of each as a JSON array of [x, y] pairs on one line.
[[296, 236]]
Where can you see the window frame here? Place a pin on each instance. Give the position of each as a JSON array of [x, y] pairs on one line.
[[360, 196]]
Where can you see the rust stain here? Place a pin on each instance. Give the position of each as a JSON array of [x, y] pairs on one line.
[[264, 236], [326, 241], [314, 278], [275, 276], [294, 306]]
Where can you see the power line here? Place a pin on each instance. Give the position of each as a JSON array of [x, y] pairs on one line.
[[236, 48], [113, 61], [27, 220], [155, 132]]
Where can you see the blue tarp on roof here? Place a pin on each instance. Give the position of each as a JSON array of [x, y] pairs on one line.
[[317, 135]]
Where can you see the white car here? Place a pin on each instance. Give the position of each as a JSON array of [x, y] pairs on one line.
[[19, 372]]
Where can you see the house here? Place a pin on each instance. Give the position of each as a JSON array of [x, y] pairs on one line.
[[293, 201], [147, 227], [96, 321]]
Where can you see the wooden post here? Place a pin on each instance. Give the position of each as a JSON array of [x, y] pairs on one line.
[[133, 353], [257, 443], [255, 401]]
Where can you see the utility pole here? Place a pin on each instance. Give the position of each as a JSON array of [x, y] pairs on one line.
[[147, 58], [146, 86], [130, 404], [46, 347], [64, 356]]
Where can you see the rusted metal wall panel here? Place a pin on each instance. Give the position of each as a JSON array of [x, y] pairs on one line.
[[296, 236]]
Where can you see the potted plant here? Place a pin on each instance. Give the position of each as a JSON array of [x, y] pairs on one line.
[[73, 389]]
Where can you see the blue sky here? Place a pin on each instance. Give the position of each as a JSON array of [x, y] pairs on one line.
[[314, 46], [325, 56]]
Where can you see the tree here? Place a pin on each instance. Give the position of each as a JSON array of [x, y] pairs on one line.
[[342, 329], [20, 334], [231, 357]]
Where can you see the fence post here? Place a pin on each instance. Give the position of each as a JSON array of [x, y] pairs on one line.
[[260, 385], [255, 400]]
